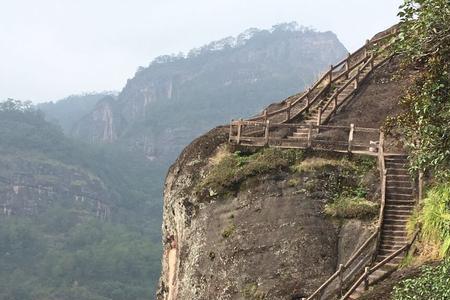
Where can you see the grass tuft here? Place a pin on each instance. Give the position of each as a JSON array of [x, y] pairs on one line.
[[230, 169], [352, 207], [433, 218]]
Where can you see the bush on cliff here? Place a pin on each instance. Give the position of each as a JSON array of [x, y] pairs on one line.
[[432, 284]]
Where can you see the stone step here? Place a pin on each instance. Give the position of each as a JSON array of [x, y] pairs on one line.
[[291, 137], [397, 171], [406, 183], [393, 262], [395, 232], [396, 164], [395, 221], [390, 246], [406, 202], [402, 157], [393, 239], [397, 177], [392, 206], [394, 227], [395, 216], [300, 134], [399, 189], [387, 252], [398, 196]]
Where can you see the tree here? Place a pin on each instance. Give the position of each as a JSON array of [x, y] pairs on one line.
[[424, 42]]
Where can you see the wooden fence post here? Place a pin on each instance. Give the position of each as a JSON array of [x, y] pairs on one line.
[[265, 115], [238, 138], [310, 135], [288, 111], [366, 49], [307, 98], [356, 80], [335, 102], [350, 137], [381, 143], [348, 65], [230, 134], [266, 133], [366, 278], [319, 116], [341, 279], [331, 73]]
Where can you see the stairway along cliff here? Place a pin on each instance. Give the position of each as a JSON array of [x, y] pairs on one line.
[[246, 222]]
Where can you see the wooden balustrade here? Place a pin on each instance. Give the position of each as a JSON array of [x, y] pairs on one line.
[[342, 69], [368, 271], [279, 135], [341, 271]]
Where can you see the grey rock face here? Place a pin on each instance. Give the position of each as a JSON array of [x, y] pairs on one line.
[[268, 241]]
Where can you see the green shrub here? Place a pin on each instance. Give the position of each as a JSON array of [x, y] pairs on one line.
[[233, 168], [432, 284], [352, 207], [434, 218]]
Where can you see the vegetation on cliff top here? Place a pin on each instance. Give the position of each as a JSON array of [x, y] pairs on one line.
[[338, 179]]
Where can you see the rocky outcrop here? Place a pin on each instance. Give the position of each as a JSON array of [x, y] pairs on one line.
[[102, 125], [173, 100], [29, 187], [268, 240]]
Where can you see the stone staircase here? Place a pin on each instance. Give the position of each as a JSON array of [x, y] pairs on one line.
[[312, 116], [400, 204]]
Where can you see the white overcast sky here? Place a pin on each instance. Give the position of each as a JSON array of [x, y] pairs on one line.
[[50, 49]]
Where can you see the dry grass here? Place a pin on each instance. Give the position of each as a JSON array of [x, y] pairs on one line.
[[316, 163]]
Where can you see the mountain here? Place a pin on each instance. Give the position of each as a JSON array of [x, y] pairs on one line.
[[75, 221], [66, 112], [81, 179], [176, 98]]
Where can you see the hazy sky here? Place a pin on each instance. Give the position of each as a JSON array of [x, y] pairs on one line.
[[50, 49]]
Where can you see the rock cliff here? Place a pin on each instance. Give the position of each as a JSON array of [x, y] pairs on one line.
[[268, 238], [264, 235]]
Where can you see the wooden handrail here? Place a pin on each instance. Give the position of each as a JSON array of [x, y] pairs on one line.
[[352, 79], [343, 268], [301, 125], [369, 271], [383, 178], [326, 78]]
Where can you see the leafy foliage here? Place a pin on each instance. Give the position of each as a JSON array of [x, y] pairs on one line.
[[424, 42], [65, 252], [434, 219], [432, 284], [234, 168], [94, 260]]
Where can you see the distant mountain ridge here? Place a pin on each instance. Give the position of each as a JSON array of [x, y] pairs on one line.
[[68, 111], [176, 98]]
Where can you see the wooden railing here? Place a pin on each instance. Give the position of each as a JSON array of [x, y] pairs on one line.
[[295, 107], [340, 273], [383, 176], [321, 137], [368, 271]]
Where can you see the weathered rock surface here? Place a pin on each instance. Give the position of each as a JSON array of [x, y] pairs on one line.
[[30, 186], [268, 241]]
